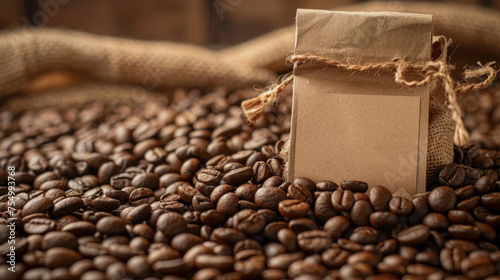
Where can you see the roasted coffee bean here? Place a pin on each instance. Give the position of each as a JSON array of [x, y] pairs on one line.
[[442, 199], [485, 184], [59, 239], [465, 192], [39, 226], [80, 228], [326, 186], [477, 267], [452, 175], [360, 213], [460, 217], [379, 198], [61, 257], [383, 220], [67, 206], [37, 205], [323, 209], [314, 241], [269, 197], [248, 221], [465, 232], [491, 201], [111, 226], [293, 208], [246, 191], [141, 196], [436, 220], [420, 209], [209, 176], [300, 192], [238, 176], [146, 180], [228, 204], [400, 206], [414, 236], [171, 224], [468, 204], [106, 204], [227, 236], [364, 235], [354, 186], [342, 200], [336, 226], [302, 224]]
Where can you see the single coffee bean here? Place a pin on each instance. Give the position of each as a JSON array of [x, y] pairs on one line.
[[289, 239], [269, 197], [452, 175], [106, 204], [39, 226], [61, 257], [336, 226], [227, 236], [293, 208], [442, 199], [248, 221], [460, 217], [209, 176], [314, 241], [80, 228], [465, 192], [59, 239], [491, 201], [302, 224], [228, 204], [465, 232], [223, 263], [354, 186], [477, 267], [141, 196], [342, 200], [146, 180], [485, 184], [246, 191], [360, 213], [471, 175], [335, 257], [37, 205], [301, 192], [468, 204], [364, 235], [171, 224], [326, 186], [414, 236], [238, 176], [400, 206], [379, 198], [66, 206], [323, 209], [383, 220], [111, 226], [436, 221]]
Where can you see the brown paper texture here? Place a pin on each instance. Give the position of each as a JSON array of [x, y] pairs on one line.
[[360, 125]]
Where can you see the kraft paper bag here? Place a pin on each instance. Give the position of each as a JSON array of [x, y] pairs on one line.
[[349, 125]]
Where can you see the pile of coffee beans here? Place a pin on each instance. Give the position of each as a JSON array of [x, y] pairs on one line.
[[482, 116], [182, 188]]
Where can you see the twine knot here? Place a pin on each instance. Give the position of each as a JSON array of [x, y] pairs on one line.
[[431, 70]]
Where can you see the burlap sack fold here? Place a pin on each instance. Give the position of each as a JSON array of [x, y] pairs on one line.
[[28, 53]]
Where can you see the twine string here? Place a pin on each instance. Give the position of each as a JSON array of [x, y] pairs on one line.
[[431, 70]]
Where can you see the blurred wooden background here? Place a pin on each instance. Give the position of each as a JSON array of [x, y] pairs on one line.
[[206, 22]]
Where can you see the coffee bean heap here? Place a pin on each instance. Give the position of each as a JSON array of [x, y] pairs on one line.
[[184, 189], [482, 116]]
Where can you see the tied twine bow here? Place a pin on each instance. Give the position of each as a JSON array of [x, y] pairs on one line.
[[432, 70]]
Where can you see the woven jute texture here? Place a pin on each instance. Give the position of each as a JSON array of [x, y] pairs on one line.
[[28, 53]]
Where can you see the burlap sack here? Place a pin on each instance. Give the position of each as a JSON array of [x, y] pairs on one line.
[[27, 54]]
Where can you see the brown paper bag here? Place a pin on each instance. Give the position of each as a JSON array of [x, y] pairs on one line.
[[360, 125]]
